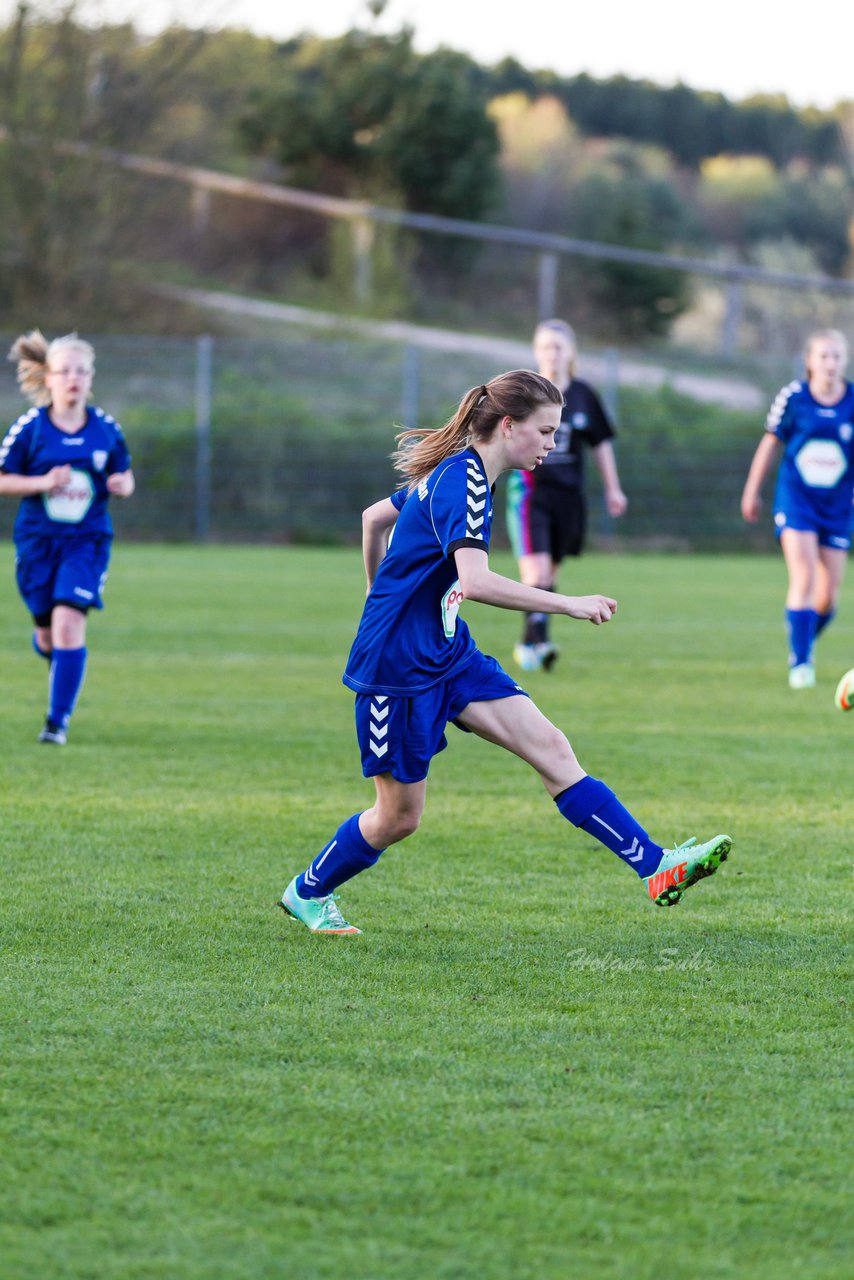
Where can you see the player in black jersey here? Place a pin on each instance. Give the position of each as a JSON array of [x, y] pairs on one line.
[[546, 510]]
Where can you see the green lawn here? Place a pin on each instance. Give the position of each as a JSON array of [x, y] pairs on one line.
[[522, 1069]]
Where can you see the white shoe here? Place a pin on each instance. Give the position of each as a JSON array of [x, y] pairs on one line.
[[802, 676], [547, 653], [527, 657]]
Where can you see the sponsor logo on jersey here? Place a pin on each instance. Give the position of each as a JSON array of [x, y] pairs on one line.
[[451, 601], [70, 504], [71, 440], [821, 463]]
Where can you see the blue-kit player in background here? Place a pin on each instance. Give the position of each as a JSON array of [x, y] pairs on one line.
[[414, 665], [64, 460], [810, 429]]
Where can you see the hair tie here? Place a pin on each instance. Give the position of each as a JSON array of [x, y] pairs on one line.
[[483, 395]]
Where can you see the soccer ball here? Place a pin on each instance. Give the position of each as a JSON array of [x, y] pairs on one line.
[[844, 696]]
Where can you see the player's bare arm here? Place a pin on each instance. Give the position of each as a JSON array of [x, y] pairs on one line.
[[479, 582], [615, 500], [767, 452], [121, 484], [18, 486], [377, 521]]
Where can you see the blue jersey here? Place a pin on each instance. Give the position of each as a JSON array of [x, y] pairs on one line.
[[817, 467], [33, 446], [410, 636]]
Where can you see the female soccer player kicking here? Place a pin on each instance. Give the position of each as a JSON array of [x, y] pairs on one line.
[[811, 423], [414, 665], [64, 460]]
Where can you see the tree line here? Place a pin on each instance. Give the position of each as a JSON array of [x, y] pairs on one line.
[[366, 115], [691, 124]]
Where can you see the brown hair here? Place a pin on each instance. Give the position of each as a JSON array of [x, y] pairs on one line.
[[512, 395], [32, 353]]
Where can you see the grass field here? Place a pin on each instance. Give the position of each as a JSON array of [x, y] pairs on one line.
[[522, 1069]]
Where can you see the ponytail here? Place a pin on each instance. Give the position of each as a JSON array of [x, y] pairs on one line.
[[32, 353], [512, 395]]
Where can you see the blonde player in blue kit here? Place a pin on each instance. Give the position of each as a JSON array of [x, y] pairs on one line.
[[414, 666], [64, 460], [810, 429]]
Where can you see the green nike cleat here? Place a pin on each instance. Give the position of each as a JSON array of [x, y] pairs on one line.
[[321, 915], [685, 865]]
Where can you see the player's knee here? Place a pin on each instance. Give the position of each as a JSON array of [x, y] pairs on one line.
[[537, 577], [405, 824], [558, 750], [399, 823], [67, 634]]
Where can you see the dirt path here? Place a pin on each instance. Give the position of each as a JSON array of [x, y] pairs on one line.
[[732, 393]]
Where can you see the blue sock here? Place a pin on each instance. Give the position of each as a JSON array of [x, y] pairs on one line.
[[591, 805], [802, 630], [345, 856], [67, 669], [43, 653], [823, 620]]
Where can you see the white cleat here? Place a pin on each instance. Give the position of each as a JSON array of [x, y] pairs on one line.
[[527, 657]]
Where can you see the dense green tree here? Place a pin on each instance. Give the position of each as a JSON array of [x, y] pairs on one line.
[[630, 209], [366, 115], [438, 143], [324, 119], [813, 212]]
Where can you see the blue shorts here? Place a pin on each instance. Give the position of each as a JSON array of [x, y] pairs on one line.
[[64, 570], [401, 736], [835, 533]]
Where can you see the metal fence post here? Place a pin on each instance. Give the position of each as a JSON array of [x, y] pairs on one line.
[[200, 209], [547, 285], [734, 307], [204, 380], [411, 386], [611, 400], [363, 243], [611, 382]]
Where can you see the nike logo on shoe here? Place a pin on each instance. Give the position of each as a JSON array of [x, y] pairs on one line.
[[670, 878]]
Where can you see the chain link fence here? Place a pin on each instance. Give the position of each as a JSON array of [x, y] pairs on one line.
[[287, 440]]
